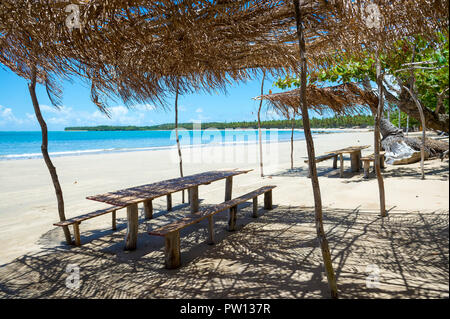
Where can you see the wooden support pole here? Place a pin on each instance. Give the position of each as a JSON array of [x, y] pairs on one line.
[[366, 169], [132, 227], [268, 200], [354, 161], [335, 162], [232, 218], [169, 202], [255, 207], [211, 240], [228, 187], [172, 250], [377, 143], [311, 153], [114, 226], [76, 234], [341, 168], [193, 199], [148, 209]]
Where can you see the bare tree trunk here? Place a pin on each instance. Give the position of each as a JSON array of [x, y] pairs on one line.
[[377, 139], [178, 139], [44, 150], [259, 127], [407, 125], [311, 158], [292, 143]]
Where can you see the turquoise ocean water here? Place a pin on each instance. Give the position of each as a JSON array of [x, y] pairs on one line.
[[24, 145]]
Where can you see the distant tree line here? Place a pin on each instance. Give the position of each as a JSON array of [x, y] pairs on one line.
[[330, 122]]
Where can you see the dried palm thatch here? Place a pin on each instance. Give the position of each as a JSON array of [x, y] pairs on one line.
[[138, 50], [343, 99]]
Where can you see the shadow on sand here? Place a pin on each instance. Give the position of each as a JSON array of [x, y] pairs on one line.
[[273, 256]]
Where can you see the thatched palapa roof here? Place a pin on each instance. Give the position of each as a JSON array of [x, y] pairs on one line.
[[344, 99]]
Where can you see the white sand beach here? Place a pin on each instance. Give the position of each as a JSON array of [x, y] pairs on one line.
[[274, 256]]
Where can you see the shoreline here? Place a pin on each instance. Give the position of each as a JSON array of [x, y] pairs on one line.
[[84, 152]]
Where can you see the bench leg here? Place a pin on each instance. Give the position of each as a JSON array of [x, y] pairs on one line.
[[228, 187], [232, 218], [172, 250], [335, 162], [148, 209], [341, 169], [211, 240], [132, 227], [355, 159], [193, 199], [169, 202], [76, 234], [366, 169], [268, 200], [114, 226], [255, 207]]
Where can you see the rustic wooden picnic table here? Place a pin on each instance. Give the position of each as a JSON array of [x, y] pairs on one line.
[[131, 197], [355, 156]]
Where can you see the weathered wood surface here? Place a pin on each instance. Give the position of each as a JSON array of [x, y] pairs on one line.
[[371, 158], [113, 217], [194, 218], [132, 227], [90, 215], [172, 250], [232, 218], [76, 233], [325, 157], [141, 193], [148, 209], [355, 160], [341, 167], [193, 199], [350, 149]]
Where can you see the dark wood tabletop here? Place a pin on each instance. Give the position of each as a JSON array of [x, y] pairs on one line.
[[142, 193]]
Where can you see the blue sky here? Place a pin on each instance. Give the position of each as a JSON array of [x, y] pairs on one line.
[[16, 111]]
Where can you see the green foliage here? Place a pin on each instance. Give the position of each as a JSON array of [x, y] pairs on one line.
[[429, 82], [330, 122]]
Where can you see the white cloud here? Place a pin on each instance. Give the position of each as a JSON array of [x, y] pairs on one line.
[[7, 116], [199, 110]]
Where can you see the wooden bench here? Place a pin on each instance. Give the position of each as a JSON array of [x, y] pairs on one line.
[[76, 221], [171, 232], [371, 158], [328, 156]]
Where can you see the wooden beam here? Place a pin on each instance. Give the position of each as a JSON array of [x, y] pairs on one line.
[[341, 168], [211, 240], [232, 218], [193, 199], [169, 202], [255, 207], [148, 209], [366, 169], [132, 227], [268, 200], [76, 233], [172, 250], [355, 159], [114, 226], [228, 187]]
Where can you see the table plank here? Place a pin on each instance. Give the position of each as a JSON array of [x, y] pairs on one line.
[[350, 149], [142, 193]]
